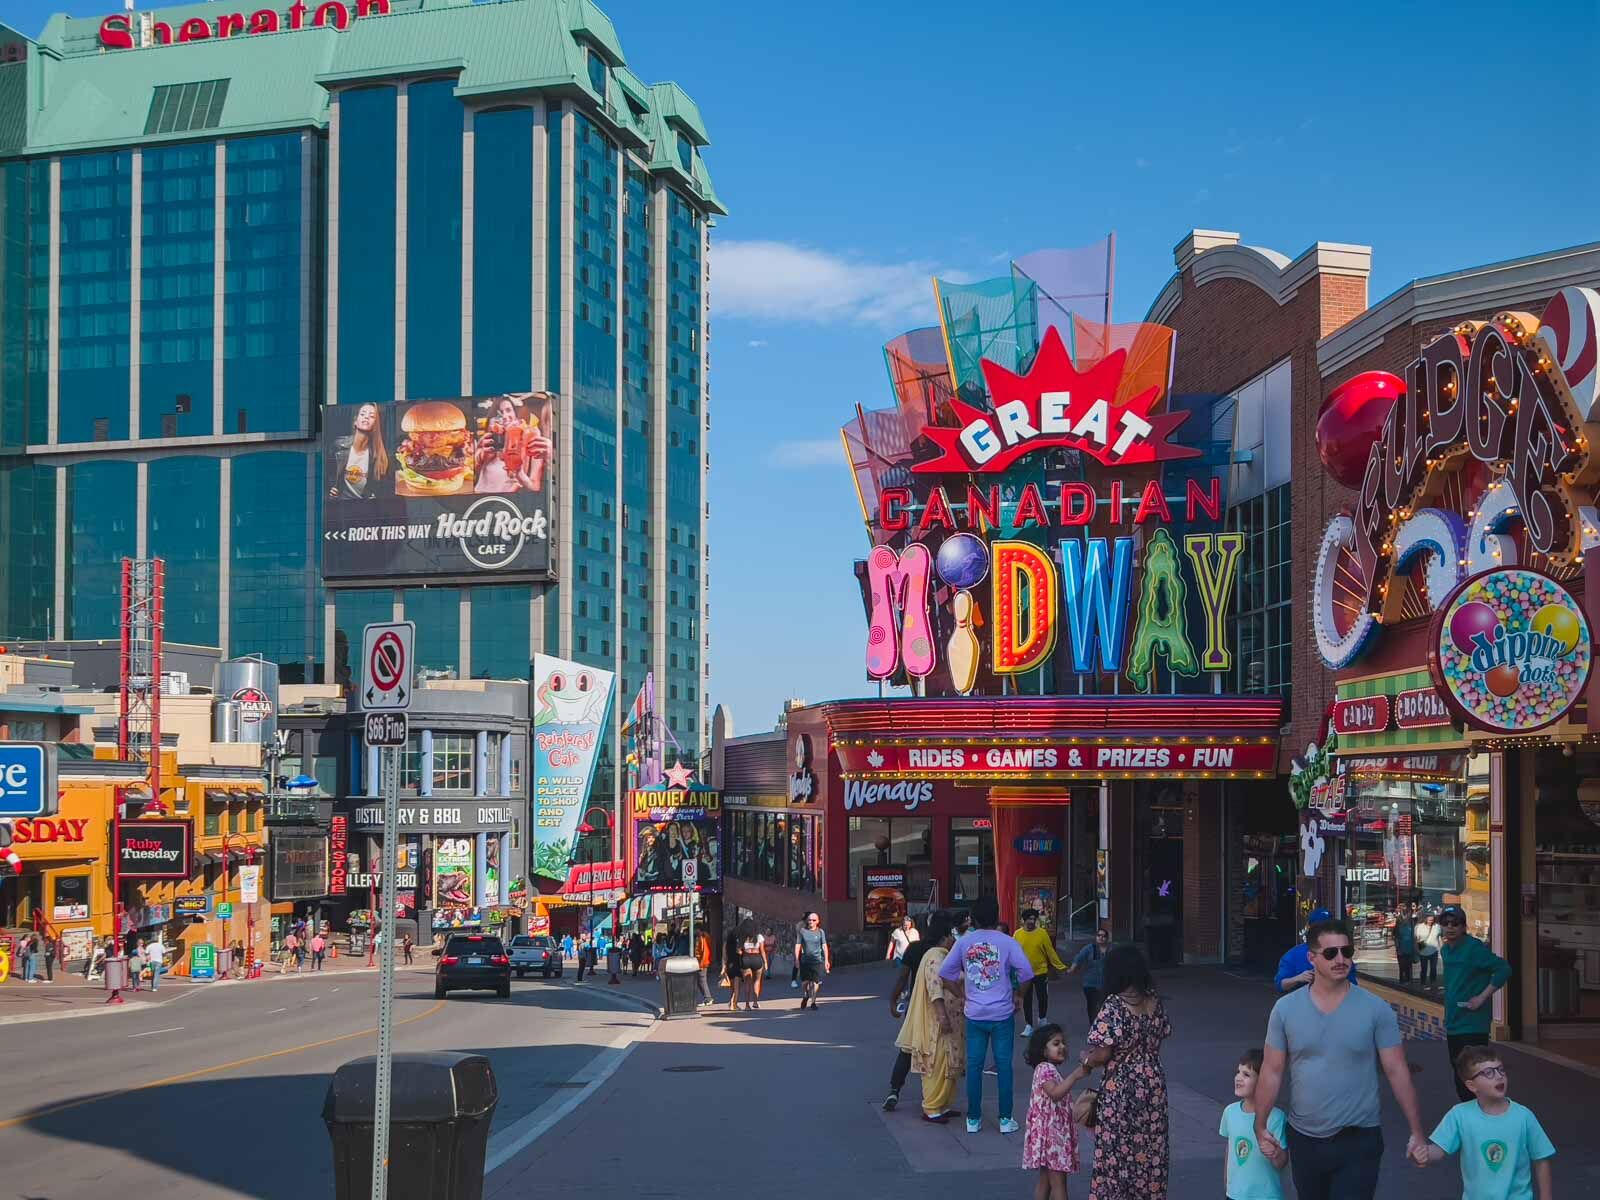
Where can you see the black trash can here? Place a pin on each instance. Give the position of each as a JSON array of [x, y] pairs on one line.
[[439, 1112], [680, 995]]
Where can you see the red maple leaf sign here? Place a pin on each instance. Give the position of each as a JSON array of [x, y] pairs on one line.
[[1054, 405]]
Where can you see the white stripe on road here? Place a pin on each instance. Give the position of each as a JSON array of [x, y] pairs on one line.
[[517, 1137], [270, 1011], [153, 1032]]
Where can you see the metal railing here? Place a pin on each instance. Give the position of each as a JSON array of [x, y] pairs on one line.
[[1072, 915]]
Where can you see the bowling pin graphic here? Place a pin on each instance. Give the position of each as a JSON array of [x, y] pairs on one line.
[[962, 649]]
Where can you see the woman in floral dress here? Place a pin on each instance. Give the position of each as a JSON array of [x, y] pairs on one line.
[[1130, 1138]]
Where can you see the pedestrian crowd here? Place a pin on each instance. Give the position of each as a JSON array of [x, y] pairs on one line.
[[963, 982]]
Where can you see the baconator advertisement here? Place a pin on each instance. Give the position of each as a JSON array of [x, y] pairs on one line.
[[438, 488]]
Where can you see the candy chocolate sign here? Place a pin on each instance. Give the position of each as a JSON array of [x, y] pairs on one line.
[[154, 850]]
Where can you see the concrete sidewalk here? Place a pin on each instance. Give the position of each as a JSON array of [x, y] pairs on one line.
[[802, 1093]]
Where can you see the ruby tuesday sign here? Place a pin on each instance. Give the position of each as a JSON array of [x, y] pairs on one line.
[[1121, 602], [121, 31]]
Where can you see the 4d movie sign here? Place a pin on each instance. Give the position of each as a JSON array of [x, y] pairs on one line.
[[1475, 477], [1107, 540], [439, 489]]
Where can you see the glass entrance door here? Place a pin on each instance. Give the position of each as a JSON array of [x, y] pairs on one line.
[[971, 859]]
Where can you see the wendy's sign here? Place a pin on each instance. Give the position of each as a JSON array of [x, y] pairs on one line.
[[119, 31]]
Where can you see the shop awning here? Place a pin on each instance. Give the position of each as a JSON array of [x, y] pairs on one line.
[[1058, 716]]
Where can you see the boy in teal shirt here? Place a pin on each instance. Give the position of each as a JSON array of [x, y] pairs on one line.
[[1248, 1172], [1505, 1153], [1472, 975]]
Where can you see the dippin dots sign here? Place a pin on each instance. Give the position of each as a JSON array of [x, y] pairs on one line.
[[1510, 650]]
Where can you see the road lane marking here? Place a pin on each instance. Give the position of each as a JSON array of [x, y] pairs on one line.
[[270, 1011], [12, 1122], [518, 1136], [153, 1032]]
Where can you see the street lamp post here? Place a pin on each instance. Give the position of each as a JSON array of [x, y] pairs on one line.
[[249, 857], [585, 832]]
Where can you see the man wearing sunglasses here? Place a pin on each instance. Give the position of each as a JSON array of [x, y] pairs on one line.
[[1472, 975], [1294, 968], [1333, 1037]]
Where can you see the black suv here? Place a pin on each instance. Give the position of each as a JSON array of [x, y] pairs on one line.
[[472, 961]]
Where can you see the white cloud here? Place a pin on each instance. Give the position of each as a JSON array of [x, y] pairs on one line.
[[757, 343], [781, 281], [816, 452]]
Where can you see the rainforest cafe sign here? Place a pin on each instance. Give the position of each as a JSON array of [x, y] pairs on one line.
[[120, 31], [1516, 393]]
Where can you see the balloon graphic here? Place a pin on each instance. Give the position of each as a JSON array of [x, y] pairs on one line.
[[1560, 622], [1473, 618], [1502, 681]]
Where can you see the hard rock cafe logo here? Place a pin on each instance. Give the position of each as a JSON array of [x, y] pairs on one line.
[[1482, 457]]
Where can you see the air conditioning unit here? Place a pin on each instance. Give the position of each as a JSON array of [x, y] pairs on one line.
[[174, 683]]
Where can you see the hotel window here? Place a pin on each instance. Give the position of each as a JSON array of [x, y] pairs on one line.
[[454, 757]]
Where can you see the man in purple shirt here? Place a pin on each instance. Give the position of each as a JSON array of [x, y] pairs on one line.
[[993, 969]]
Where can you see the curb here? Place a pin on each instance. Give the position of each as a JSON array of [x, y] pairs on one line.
[[627, 998]]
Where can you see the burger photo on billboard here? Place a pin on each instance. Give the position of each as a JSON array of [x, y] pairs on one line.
[[435, 456]]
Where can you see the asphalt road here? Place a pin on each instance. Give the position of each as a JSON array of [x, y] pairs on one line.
[[219, 1092]]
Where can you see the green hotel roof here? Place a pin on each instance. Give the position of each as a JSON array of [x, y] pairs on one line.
[[81, 96]]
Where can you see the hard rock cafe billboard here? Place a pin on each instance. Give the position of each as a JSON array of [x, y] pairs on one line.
[[1476, 476], [1054, 510]]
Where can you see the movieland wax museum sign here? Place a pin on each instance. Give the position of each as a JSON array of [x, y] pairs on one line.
[[1476, 478], [1062, 509]]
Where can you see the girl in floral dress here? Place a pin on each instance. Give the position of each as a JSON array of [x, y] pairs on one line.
[[1051, 1143], [1130, 1137]]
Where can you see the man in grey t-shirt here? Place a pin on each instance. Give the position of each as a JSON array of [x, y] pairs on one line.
[[811, 951], [1333, 1037]]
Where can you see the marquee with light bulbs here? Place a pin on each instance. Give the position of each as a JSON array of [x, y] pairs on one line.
[[1475, 507]]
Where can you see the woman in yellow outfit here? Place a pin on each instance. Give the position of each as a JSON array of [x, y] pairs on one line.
[[1040, 948], [930, 1034]]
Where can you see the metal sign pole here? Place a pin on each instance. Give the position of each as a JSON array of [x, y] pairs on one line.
[[380, 1131]]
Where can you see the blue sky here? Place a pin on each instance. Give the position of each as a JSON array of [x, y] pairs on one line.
[[864, 147]]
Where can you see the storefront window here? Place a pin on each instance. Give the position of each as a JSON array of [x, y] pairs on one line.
[[900, 841], [1417, 840], [454, 758], [1567, 840], [971, 860]]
